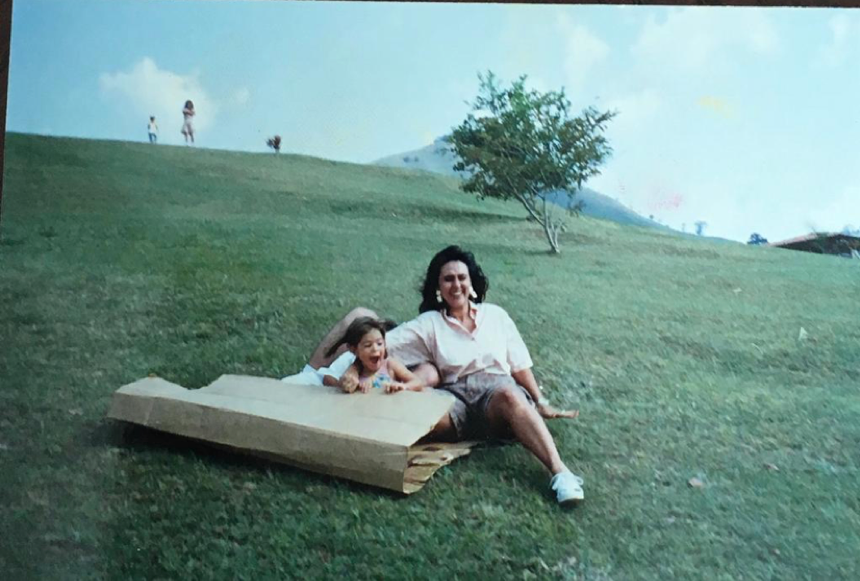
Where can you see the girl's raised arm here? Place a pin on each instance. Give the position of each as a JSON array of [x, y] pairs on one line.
[[407, 380], [349, 380]]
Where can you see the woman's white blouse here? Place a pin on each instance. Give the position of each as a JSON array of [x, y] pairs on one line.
[[495, 346]]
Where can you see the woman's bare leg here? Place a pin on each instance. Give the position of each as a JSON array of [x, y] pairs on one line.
[[319, 357], [509, 409], [443, 431]]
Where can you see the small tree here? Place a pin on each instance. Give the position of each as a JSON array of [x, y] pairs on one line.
[[700, 227], [274, 143], [525, 146], [757, 239]]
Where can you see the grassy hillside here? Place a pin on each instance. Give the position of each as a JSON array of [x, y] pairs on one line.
[[438, 159], [120, 260]]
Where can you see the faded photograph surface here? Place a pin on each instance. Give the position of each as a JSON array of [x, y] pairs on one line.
[[620, 243]]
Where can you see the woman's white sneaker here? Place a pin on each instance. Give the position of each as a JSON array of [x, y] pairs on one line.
[[567, 487]]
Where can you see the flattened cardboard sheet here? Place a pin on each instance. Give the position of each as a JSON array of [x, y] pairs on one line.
[[370, 438]]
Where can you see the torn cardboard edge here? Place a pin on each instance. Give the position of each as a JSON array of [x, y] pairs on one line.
[[370, 438]]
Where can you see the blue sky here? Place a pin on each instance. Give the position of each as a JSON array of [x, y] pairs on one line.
[[747, 119]]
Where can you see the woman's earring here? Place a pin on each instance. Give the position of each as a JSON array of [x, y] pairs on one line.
[[438, 296], [472, 293]]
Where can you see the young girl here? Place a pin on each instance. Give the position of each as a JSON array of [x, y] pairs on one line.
[[365, 338], [187, 127]]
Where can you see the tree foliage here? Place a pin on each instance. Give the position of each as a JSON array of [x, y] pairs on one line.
[[274, 143], [756, 239], [524, 145]]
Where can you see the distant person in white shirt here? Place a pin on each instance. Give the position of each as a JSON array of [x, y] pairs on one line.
[[152, 128], [474, 351]]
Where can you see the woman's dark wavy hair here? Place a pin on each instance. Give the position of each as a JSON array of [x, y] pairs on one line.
[[480, 282], [358, 329], [189, 104]]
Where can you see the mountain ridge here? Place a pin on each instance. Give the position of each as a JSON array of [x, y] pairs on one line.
[[438, 158]]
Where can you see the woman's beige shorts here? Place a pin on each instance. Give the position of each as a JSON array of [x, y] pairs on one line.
[[473, 393]]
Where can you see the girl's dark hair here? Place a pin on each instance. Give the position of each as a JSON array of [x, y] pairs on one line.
[[358, 329], [480, 282], [188, 104]]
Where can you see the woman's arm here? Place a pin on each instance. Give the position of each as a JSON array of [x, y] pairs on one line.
[[526, 379], [520, 361], [406, 379], [411, 342]]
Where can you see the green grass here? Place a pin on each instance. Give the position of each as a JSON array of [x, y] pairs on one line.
[[120, 260]]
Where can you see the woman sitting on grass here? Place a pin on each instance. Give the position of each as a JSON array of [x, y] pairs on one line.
[[477, 354], [365, 338]]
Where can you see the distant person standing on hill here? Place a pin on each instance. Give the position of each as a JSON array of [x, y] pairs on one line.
[[187, 127], [152, 128]]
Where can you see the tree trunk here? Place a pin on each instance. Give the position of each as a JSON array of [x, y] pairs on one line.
[[530, 209], [550, 230], [552, 238]]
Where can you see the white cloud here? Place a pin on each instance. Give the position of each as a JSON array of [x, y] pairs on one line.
[[835, 52], [758, 33], [833, 214], [636, 111], [149, 90], [583, 50], [241, 96], [634, 124], [693, 38]]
